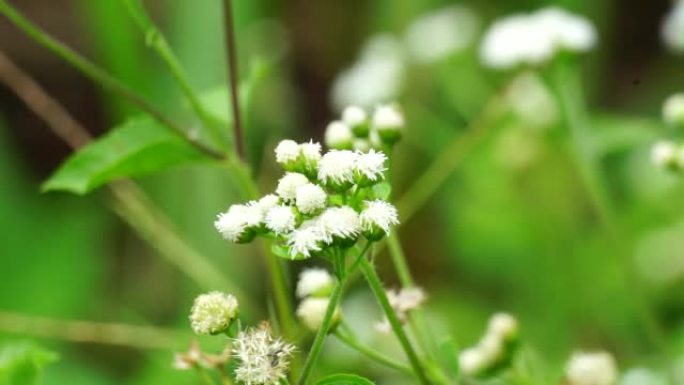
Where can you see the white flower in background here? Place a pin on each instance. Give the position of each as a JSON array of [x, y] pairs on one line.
[[471, 361], [310, 198], [306, 239], [378, 217], [235, 223], [493, 348], [532, 101], [370, 166], [441, 33], [672, 29], [535, 38], [402, 302], [673, 110], [213, 312], [503, 325], [312, 311], [596, 368], [664, 154], [376, 76], [338, 135], [337, 167], [356, 118], [262, 358], [361, 145], [281, 219], [388, 122], [340, 222], [287, 151], [268, 202], [288, 184], [374, 139], [311, 151], [642, 376], [314, 282]]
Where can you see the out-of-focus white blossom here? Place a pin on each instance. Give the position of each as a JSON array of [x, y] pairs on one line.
[[288, 184], [495, 347], [314, 282], [213, 312], [440, 33], [471, 361], [642, 376], [338, 135], [535, 38], [596, 368], [376, 77], [672, 29], [388, 122], [673, 110], [402, 301], [664, 154], [532, 101], [312, 311], [503, 326], [357, 119], [263, 359]]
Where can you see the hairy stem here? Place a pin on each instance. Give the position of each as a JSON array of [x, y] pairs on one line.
[[100, 76], [155, 38], [371, 353], [231, 53], [371, 276]]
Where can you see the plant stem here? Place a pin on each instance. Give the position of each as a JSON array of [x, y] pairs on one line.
[[155, 39], [231, 52], [317, 345], [355, 344], [371, 276], [98, 75], [204, 376], [399, 260]]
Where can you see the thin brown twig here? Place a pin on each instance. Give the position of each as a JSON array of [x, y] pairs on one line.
[[233, 80]]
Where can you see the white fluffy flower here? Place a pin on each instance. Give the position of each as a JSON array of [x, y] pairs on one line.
[[354, 116], [503, 325], [281, 219], [312, 311], [306, 239], [288, 184], [287, 151], [234, 223], [591, 369], [361, 144], [213, 312], [310, 198], [311, 151], [440, 33], [341, 223], [378, 215], [673, 110], [535, 38], [388, 117], [262, 358], [337, 167], [314, 282], [406, 299], [672, 29], [371, 165], [268, 202], [643, 376], [338, 135], [664, 154]]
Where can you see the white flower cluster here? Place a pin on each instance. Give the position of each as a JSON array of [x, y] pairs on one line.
[[532, 39], [597, 368], [495, 348], [402, 301], [323, 200], [672, 29], [357, 131], [213, 313], [667, 154], [263, 359]]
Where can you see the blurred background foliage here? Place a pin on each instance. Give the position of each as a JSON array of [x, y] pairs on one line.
[[512, 228]]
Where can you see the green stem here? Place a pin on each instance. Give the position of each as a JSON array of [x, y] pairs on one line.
[[371, 353], [317, 345], [204, 376], [100, 76], [231, 53], [399, 260], [371, 276], [155, 38]]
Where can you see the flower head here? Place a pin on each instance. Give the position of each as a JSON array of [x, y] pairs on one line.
[[440, 33], [503, 325], [314, 282], [338, 135], [388, 121], [341, 224], [281, 219], [287, 152], [288, 184], [357, 119], [672, 29], [673, 110], [370, 167], [664, 154], [237, 223], [212, 313], [310, 198], [377, 218], [596, 368], [268, 202], [336, 168], [312, 311], [471, 361], [263, 359], [306, 239], [311, 152]]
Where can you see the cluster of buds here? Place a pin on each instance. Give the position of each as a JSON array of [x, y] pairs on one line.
[[591, 368], [668, 154], [495, 349], [402, 302], [313, 289], [357, 131], [213, 313], [324, 203]]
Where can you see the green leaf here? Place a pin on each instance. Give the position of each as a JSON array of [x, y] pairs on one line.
[[382, 190], [23, 364], [615, 134], [139, 146], [345, 379]]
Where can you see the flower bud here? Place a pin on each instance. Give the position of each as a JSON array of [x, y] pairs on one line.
[[314, 282], [665, 154], [213, 313], [673, 110], [504, 326], [310, 199], [388, 121], [311, 312], [288, 184], [356, 119], [287, 154], [281, 220], [377, 219], [342, 225], [369, 168], [591, 369], [338, 136]]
